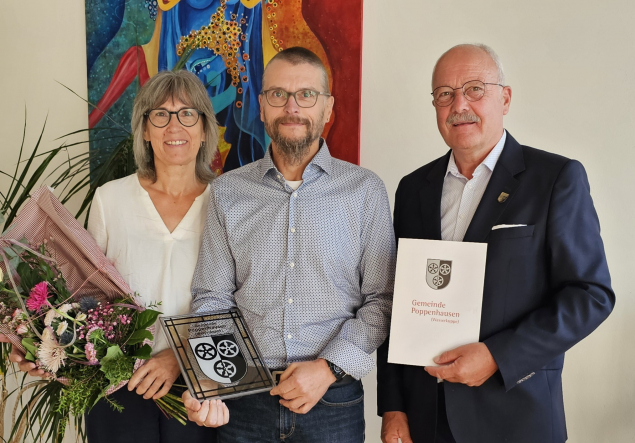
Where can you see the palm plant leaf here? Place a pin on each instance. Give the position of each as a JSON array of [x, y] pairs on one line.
[[18, 182]]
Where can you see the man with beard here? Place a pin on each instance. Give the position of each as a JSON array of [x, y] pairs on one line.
[[303, 244], [547, 284]]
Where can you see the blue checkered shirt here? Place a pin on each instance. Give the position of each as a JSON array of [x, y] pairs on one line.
[[311, 270]]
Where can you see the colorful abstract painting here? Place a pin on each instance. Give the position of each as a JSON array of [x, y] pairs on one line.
[[129, 41]]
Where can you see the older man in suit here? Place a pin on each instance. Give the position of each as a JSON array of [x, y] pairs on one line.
[[547, 284]]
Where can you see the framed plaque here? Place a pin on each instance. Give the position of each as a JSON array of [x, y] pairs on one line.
[[217, 356]]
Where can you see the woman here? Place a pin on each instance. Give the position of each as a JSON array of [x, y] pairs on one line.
[[150, 225]]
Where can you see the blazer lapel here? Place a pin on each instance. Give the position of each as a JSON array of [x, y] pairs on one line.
[[510, 163], [430, 196]]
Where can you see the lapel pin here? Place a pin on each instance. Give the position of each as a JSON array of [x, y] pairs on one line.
[[503, 197]]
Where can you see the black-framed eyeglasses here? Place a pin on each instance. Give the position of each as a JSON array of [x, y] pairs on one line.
[[305, 98], [474, 90], [160, 117]]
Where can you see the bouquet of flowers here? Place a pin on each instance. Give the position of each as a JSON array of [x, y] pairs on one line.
[[88, 341]]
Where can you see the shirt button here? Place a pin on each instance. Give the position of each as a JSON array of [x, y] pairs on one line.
[[470, 186], [279, 177], [295, 194], [292, 230], [291, 264], [289, 336], [290, 300]]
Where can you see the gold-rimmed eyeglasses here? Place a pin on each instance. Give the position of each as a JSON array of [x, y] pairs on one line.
[[474, 90]]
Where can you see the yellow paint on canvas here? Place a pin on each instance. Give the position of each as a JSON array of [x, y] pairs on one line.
[[250, 3]]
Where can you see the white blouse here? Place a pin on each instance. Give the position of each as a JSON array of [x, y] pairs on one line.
[[157, 264]]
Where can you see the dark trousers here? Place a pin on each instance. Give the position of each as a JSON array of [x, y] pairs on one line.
[[337, 418], [443, 434], [141, 421]]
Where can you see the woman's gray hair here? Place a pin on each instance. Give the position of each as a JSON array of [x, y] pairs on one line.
[[188, 89]]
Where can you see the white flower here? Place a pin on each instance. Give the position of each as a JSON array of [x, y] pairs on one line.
[[47, 334], [49, 317], [65, 308], [75, 305], [22, 329], [61, 328], [50, 354], [81, 317]]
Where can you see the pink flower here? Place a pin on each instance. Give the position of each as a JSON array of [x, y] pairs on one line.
[[91, 354], [22, 329], [16, 313], [38, 296]]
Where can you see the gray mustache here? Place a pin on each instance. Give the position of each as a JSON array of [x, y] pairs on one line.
[[465, 117]]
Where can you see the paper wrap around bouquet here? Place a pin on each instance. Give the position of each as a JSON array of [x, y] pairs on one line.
[[85, 268]]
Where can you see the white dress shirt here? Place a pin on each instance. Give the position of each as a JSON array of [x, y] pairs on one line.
[[461, 196]]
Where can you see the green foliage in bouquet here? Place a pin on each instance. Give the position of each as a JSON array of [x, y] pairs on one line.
[[88, 347]]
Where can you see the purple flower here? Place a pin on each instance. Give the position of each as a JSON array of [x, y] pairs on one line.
[[37, 297]]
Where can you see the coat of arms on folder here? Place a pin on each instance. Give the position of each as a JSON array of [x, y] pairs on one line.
[[438, 273]]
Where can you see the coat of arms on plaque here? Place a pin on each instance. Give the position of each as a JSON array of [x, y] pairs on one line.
[[217, 355], [438, 273], [219, 358]]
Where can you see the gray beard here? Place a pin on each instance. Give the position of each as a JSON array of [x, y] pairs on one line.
[[294, 151]]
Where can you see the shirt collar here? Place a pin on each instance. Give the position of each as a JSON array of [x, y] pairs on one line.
[[322, 159], [490, 161]]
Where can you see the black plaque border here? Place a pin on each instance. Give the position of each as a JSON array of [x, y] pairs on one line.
[[264, 381]]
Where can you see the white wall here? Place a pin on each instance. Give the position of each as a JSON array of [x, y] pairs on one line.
[[572, 68], [571, 65], [41, 43]]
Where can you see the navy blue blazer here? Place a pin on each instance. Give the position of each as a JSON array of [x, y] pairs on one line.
[[547, 286]]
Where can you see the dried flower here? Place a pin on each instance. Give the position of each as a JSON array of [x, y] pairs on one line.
[[61, 328], [37, 297], [1, 275], [16, 313], [22, 329], [50, 354]]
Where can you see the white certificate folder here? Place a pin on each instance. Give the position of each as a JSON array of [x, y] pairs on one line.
[[438, 299]]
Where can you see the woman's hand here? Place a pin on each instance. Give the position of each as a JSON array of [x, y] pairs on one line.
[[155, 378], [23, 364], [210, 413]]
